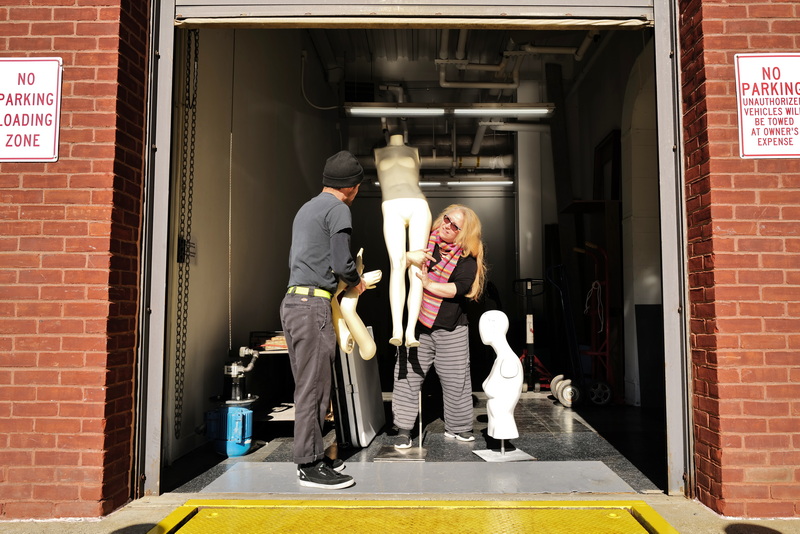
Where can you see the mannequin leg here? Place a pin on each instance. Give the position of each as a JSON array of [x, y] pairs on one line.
[[394, 234], [418, 232]]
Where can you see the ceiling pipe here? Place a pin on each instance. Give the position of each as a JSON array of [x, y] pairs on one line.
[[461, 50], [571, 50], [514, 84], [515, 126], [444, 45], [587, 41], [400, 97], [476, 144], [459, 162], [577, 53]]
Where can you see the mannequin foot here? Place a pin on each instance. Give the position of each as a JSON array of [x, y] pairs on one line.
[[411, 342], [396, 341]]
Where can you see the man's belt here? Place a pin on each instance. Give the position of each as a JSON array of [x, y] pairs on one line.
[[310, 291]]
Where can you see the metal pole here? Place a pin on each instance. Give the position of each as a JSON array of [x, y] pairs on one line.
[[420, 418]]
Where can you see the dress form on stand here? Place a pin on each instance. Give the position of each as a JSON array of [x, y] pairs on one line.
[[503, 388]]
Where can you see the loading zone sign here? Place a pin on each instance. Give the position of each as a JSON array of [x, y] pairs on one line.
[[768, 94], [30, 108]]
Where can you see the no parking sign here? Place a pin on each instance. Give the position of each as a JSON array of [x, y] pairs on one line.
[[30, 106], [768, 96]]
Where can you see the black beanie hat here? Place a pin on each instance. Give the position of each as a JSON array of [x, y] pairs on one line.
[[342, 170]]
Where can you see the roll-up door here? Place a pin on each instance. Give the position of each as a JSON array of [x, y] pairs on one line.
[[619, 12]]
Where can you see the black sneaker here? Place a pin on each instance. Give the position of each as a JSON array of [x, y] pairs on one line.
[[403, 439], [337, 464], [460, 436], [319, 475], [334, 463]]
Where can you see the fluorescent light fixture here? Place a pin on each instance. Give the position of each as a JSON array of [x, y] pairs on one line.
[[481, 183], [421, 184], [374, 109], [505, 110], [366, 110]]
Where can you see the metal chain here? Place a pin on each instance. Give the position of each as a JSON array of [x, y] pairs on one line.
[[185, 250]]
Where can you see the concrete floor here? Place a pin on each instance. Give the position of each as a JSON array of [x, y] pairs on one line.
[[621, 466]]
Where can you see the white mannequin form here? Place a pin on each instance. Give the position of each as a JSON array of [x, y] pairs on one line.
[[349, 327], [503, 386], [404, 207]]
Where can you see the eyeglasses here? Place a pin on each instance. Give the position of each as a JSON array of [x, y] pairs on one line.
[[448, 220]]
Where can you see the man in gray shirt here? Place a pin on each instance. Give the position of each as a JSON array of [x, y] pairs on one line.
[[319, 257]]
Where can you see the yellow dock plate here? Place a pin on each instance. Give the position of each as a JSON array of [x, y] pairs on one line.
[[431, 517]]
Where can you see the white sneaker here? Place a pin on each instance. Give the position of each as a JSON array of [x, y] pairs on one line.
[[460, 436]]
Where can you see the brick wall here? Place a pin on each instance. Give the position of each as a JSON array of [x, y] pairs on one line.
[[744, 264], [69, 248]]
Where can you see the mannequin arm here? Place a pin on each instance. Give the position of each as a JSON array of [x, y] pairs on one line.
[[343, 336], [352, 321]]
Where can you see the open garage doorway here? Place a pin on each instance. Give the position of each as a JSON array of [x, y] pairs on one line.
[[570, 201]]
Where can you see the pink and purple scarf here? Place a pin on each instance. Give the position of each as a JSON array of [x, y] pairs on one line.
[[450, 254]]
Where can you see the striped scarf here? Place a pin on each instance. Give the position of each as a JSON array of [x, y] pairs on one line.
[[450, 253]]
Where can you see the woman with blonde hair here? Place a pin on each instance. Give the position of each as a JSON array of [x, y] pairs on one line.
[[452, 271]]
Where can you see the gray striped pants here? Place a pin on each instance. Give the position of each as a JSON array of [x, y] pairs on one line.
[[450, 353]]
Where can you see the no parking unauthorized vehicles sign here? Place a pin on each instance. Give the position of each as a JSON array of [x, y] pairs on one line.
[[30, 109], [768, 94]]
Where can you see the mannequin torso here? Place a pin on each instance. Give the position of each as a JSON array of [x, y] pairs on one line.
[[503, 386], [398, 170]]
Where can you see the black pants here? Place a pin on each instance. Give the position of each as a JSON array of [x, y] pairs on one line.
[[311, 341]]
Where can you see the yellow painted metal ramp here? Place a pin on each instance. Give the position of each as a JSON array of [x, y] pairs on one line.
[[431, 517]]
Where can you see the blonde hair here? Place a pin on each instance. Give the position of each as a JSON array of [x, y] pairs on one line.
[[471, 242]]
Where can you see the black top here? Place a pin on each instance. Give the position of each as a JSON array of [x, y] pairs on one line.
[[452, 312]]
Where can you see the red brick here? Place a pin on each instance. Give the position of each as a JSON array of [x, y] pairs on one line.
[[769, 509], [17, 326], [24, 509], [56, 492], [40, 276], [19, 474], [16, 492]]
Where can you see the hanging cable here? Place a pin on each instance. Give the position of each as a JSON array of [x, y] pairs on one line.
[[230, 206], [596, 290], [303, 85], [185, 248]]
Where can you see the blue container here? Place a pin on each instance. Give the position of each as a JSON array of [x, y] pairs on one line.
[[231, 428]]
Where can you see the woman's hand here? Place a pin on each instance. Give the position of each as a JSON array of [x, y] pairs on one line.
[[423, 276], [418, 258], [440, 289]]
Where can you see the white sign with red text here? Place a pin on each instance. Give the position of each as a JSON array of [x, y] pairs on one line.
[[30, 108], [768, 96]]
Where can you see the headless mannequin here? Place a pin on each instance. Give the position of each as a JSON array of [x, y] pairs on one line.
[[404, 207], [503, 386]]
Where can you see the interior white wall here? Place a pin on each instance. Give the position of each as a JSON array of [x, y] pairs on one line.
[[640, 210], [260, 153], [529, 187]]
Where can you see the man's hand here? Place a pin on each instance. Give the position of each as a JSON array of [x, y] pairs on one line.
[[360, 287]]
